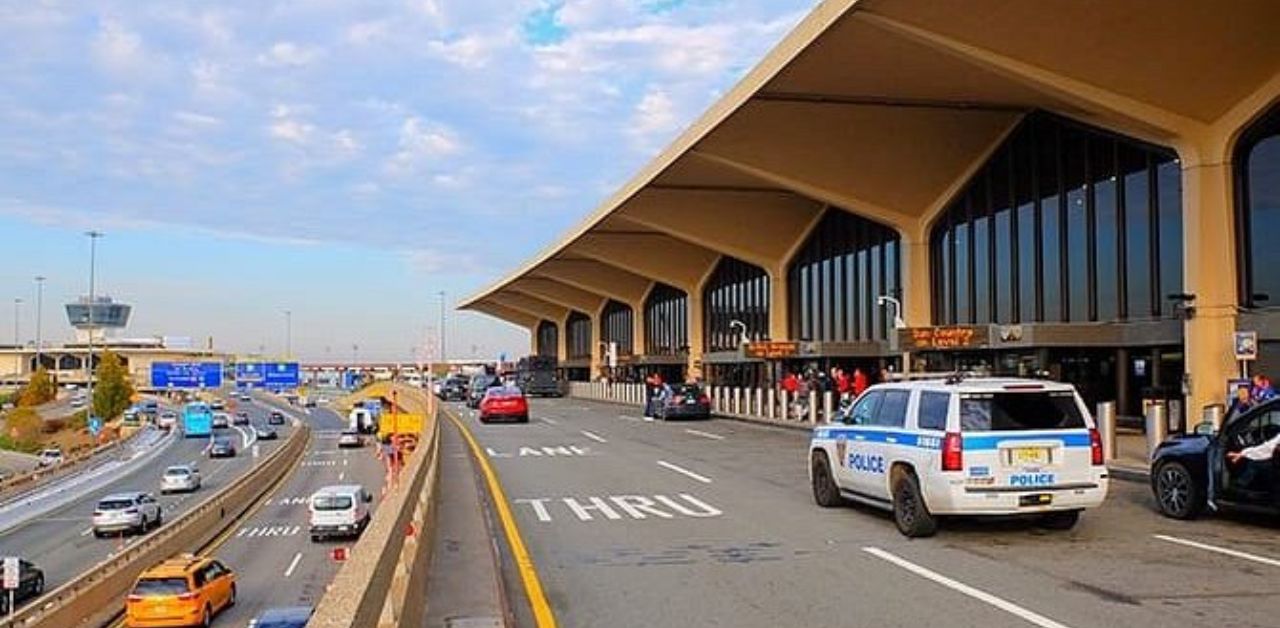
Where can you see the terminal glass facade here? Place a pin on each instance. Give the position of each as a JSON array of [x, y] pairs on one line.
[[736, 291], [548, 339], [666, 321], [617, 325], [1065, 223], [1258, 211], [579, 338], [835, 278]]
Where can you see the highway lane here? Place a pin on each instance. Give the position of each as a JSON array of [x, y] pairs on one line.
[[275, 561], [61, 541], [635, 523]]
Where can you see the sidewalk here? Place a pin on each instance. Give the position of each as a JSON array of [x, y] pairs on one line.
[[463, 587], [1131, 460]]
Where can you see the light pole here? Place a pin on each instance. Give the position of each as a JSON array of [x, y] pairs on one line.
[[93, 263], [39, 313], [444, 358], [17, 313], [288, 335]]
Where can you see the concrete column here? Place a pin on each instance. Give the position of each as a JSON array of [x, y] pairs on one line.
[[917, 307], [695, 334], [562, 340], [778, 329], [597, 356], [638, 347], [1122, 381], [1209, 269]]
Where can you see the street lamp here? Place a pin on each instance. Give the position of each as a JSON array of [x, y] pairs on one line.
[[886, 300], [288, 335], [742, 335], [443, 356], [39, 314], [17, 313], [93, 263]]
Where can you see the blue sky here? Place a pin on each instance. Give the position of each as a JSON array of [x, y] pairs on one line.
[[343, 159]]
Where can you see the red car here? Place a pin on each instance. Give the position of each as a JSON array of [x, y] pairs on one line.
[[504, 403]]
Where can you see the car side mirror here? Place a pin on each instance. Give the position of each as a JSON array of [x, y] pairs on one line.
[[1206, 429]]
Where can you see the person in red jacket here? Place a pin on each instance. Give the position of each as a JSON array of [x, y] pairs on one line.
[[843, 385], [791, 383], [860, 382]]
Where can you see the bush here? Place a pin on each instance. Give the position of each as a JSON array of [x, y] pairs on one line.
[[79, 420], [24, 425], [13, 445], [52, 426], [39, 390]]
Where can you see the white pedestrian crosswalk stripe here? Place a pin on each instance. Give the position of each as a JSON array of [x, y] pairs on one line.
[[288, 501], [320, 463], [268, 531]]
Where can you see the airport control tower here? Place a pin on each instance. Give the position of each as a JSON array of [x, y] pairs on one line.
[[108, 319]]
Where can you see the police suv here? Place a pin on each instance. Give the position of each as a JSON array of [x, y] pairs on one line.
[[955, 446]]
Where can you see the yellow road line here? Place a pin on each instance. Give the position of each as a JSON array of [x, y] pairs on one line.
[[524, 563]]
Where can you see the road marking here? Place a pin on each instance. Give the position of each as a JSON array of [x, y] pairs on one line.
[[705, 434], [628, 417], [550, 421], [1220, 550], [977, 594], [342, 476], [593, 436], [612, 507], [542, 614], [681, 470], [87, 532], [293, 565]]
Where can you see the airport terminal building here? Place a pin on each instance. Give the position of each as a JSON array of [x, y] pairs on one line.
[[1080, 190]]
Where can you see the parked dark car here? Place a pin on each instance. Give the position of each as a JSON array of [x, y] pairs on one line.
[[685, 401], [1189, 470], [454, 389], [30, 585], [480, 384], [241, 418], [275, 418], [266, 433], [222, 448]]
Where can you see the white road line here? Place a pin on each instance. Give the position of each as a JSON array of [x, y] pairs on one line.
[[87, 532], [550, 421], [1220, 550], [593, 436], [628, 417], [293, 565], [681, 470], [705, 434], [977, 594], [342, 476]]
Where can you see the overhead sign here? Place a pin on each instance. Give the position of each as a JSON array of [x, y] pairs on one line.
[[273, 375], [11, 572], [771, 350], [927, 338], [186, 374], [1246, 343]]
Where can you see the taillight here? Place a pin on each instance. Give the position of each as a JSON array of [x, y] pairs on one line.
[[952, 452], [678, 399], [186, 597], [1095, 448], [704, 399]]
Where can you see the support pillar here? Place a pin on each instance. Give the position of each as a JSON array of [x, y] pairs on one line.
[[778, 325], [1210, 273], [695, 368], [917, 306]]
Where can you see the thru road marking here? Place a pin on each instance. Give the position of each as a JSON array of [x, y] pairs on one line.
[[1220, 550], [977, 594], [550, 421], [593, 436], [704, 434], [293, 565], [683, 471]]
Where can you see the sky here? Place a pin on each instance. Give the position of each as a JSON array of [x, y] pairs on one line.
[[345, 160]]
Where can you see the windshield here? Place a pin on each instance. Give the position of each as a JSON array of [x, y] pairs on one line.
[[331, 502], [1009, 412], [156, 587]]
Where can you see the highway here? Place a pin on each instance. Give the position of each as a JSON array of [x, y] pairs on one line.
[[712, 523], [276, 563], [61, 541]]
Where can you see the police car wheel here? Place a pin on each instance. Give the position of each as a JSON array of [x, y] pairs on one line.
[[910, 513], [825, 491], [1062, 520], [1177, 493]]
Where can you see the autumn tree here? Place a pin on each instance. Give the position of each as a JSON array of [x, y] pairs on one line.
[[112, 390]]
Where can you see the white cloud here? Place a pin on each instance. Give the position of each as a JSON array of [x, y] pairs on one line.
[[193, 119], [422, 143], [119, 50], [291, 130], [289, 54], [471, 51], [370, 32]]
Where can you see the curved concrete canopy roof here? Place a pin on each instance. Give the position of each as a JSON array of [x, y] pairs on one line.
[[884, 108]]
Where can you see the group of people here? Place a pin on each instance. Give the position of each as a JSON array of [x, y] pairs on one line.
[[1254, 462], [846, 386], [1258, 390]]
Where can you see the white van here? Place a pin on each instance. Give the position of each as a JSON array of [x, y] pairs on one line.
[[339, 511], [962, 447]]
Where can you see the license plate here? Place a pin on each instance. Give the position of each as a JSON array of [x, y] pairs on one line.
[[1029, 455], [1039, 499]]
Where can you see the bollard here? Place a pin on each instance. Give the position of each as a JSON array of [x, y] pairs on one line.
[[1157, 426], [737, 400], [1213, 414], [813, 407], [1106, 418], [826, 406], [784, 405], [757, 408], [770, 408]]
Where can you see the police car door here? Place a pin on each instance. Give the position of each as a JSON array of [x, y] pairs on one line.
[[889, 444], [853, 444]]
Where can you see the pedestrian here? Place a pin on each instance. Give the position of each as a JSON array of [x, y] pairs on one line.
[[652, 387], [860, 382], [791, 383], [844, 385], [1242, 401], [1262, 389]]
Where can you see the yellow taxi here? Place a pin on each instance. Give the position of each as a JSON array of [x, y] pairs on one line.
[[186, 590]]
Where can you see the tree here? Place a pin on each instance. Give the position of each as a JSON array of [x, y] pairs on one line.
[[24, 425], [113, 391], [39, 390]]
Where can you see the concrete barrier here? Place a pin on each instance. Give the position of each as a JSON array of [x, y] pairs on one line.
[[383, 582], [23, 483], [96, 597]]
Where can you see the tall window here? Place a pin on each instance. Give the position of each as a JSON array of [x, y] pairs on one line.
[[737, 291], [1065, 223], [1258, 210], [548, 339], [666, 321], [826, 297], [578, 328], [617, 325]]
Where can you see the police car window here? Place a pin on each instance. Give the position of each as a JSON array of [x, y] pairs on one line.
[[864, 412], [1007, 412], [893, 409], [933, 410]]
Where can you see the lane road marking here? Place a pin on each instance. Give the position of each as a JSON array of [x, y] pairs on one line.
[[593, 436], [550, 421], [705, 434], [293, 565], [683, 471], [1220, 550], [977, 594]]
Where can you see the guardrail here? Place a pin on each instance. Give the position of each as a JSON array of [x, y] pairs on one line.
[[388, 566], [761, 405], [21, 484], [95, 596]]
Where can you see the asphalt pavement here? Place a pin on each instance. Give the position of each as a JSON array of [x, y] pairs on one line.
[[712, 523], [61, 541], [276, 563]]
